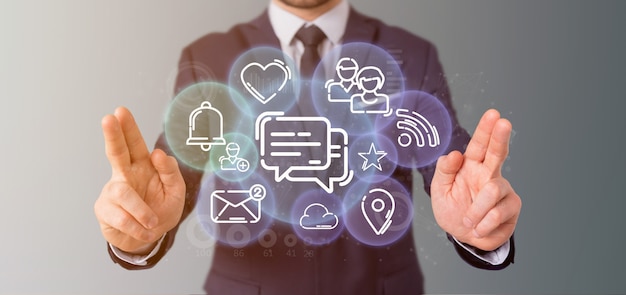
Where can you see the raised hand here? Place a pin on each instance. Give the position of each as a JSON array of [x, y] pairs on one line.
[[145, 196], [470, 198]]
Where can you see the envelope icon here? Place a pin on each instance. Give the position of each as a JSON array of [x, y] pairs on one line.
[[237, 206]]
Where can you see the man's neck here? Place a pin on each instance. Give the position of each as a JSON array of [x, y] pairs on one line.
[[308, 14]]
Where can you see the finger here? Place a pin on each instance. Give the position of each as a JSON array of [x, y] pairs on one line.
[[134, 140], [115, 143], [489, 195], [477, 147], [131, 202], [119, 219], [505, 212], [498, 148], [446, 171], [169, 173]]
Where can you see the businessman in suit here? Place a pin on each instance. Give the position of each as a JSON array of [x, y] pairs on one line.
[[149, 193]]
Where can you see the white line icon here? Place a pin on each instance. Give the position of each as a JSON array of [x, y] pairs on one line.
[[416, 127], [288, 151], [360, 87], [347, 69], [377, 205], [370, 80], [237, 206], [232, 160], [372, 158], [254, 85], [325, 221], [206, 127]]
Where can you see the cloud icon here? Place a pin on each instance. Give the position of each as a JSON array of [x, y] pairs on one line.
[[317, 216]]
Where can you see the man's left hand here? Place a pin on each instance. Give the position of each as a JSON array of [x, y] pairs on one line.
[[470, 198]]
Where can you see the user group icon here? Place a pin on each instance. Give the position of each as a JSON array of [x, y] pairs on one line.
[[360, 87]]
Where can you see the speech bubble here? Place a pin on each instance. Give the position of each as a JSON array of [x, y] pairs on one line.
[[303, 149]]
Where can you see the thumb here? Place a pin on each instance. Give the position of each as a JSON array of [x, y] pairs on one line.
[[445, 171], [169, 173]]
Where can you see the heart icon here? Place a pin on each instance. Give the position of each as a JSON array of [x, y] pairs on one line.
[[264, 82]]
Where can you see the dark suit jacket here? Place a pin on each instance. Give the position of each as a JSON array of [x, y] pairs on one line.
[[344, 266]]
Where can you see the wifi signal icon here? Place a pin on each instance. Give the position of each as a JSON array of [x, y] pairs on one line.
[[415, 127]]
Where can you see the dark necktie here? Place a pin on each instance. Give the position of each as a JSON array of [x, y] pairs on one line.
[[311, 37]]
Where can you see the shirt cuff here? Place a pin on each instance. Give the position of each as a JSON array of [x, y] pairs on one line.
[[495, 257], [139, 260]]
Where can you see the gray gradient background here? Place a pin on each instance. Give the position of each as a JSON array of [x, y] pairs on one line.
[[556, 69]]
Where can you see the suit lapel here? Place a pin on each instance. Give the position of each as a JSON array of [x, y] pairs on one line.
[[259, 32], [358, 29]]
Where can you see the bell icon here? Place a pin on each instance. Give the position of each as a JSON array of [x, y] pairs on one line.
[[206, 127]]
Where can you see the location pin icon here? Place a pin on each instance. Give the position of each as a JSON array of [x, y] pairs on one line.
[[377, 208]]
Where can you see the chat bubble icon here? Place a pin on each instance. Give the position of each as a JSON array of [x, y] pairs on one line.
[[293, 143], [301, 149], [338, 171]]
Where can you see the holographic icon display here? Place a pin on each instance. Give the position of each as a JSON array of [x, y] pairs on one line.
[[252, 77], [361, 124], [372, 158], [416, 128], [372, 206], [206, 127], [288, 151], [317, 217], [237, 206], [232, 160]]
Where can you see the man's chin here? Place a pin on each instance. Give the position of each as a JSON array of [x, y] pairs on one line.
[[304, 4]]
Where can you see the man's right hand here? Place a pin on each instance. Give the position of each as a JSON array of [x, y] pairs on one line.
[[145, 196]]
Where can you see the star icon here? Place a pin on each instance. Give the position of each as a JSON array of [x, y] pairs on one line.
[[372, 156]]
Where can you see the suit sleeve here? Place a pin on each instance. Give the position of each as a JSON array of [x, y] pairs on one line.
[[188, 73], [435, 83]]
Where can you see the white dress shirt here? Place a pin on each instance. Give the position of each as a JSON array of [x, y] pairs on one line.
[[333, 23]]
